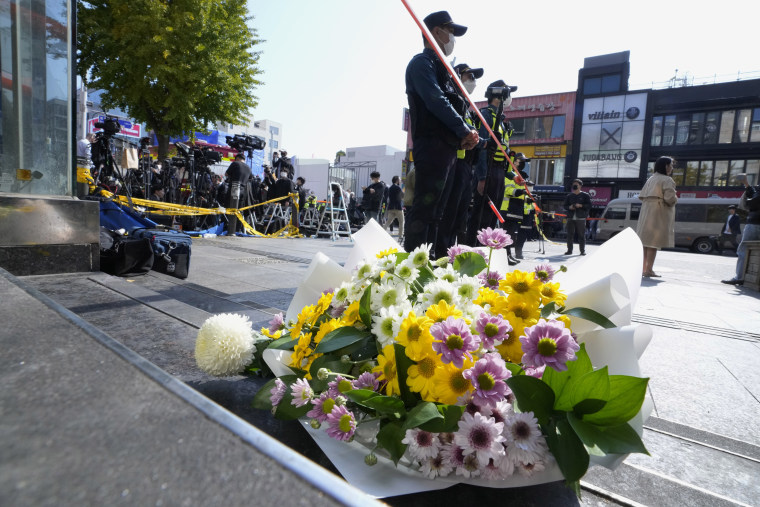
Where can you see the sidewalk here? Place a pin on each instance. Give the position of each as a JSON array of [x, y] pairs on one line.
[[704, 382]]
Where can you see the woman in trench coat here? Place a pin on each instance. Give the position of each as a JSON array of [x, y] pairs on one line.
[[656, 226]]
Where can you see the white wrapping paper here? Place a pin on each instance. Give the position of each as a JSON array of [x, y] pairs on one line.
[[606, 281]]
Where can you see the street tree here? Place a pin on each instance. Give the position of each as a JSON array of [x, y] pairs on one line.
[[176, 65]]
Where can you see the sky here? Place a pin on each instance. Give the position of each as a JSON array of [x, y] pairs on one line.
[[333, 70]]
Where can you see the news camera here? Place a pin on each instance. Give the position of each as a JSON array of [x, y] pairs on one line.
[[502, 92], [109, 125], [206, 156], [242, 142]]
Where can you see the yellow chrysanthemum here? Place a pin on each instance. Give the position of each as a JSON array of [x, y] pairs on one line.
[[307, 317], [485, 297], [351, 314], [442, 311], [386, 366], [522, 308], [266, 332], [511, 348], [414, 335], [386, 253], [326, 327], [301, 351], [420, 376], [521, 283], [323, 304], [550, 293], [565, 319], [449, 382], [500, 305]]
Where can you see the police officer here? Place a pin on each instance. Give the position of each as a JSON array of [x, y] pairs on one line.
[[437, 128], [491, 166], [453, 226], [513, 206]]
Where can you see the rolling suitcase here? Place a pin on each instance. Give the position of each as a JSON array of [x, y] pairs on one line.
[[171, 250]]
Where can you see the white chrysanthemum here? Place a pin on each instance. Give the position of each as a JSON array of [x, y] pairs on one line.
[[436, 466], [421, 444], [407, 271], [524, 440], [385, 325], [481, 436], [528, 468], [467, 288], [387, 263], [385, 295], [224, 346], [355, 292], [341, 294], [366, 270], [420, 256], [447, 273], [437, 291]]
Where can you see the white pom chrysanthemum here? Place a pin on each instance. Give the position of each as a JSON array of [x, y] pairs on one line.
[[225, 344]]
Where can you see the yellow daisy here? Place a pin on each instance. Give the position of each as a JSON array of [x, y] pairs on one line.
[[522, 308], [301, 351], [326, 327], [351, 314], [442, 311], [550, 293], [306, 317], [386, 253], [414, 335], [565, 319], [420, 376], [449, 382], [323, 304], [485, 297], [266, 332], [522, 283], [386, 366]]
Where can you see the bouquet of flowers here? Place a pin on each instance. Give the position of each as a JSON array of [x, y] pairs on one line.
[[447, 369]]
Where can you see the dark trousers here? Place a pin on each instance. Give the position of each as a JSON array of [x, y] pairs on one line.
[[579, 227], [433, 165], [482, 216], [726, 237], [455, 212]]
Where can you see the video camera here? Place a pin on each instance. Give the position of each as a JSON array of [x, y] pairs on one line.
[[502, 92], [206, 156], [110, 126], [242, 142]]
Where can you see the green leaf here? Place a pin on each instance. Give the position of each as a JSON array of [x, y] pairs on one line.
[[625, 399], [557, 380], [340, 338], [401, 257], [568, 449], [285, 409], [261, 399], [389, 438], [548, 309], [388, 405], [590, 315], [450, 422], [285, 342], [532, 395], [365, 314], [361, 395], [402, 365], [332, 363], [469, 263], [602, 440], [588, 406], [594, 385], [421, 414], [515, 369]]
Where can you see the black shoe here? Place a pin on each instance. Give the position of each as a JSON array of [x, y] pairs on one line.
[[512, 261], [583, 253], [733, 281], [569, 252]]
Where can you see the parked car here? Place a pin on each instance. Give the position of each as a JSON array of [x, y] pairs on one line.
[[698, 220]]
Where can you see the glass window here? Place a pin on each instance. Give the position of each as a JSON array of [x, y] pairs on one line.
[[711, 128], [742, 126], [669, 130], [735, 167], [592, 85], [726, 126], [717, 213], [721, 173], [696, 128], [274, 130], [754, 136], [705, 173], [615, 213], [611, 83], [544, 127], [682, 128], [559, 172], [677, 173], [275, 144], [691, 173], [656, 131], [635, 211], [558, 126], [691, 213], [530, 128], [753, 171]]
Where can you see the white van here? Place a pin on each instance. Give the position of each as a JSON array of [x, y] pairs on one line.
[[696, 220]]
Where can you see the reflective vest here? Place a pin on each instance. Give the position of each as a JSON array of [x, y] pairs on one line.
[[499, 130], [512, 205], [469, 121]]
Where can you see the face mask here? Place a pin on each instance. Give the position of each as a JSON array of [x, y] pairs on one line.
[[469, 86], [283, 175], [448, 48], [576, 187], [508, 102]]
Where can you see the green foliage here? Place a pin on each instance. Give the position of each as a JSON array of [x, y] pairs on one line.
[[402, 366], [450, 422], [285, 411], [470, 263], [286, 342], [532, 395], [340, 338], [176, 65], [365, 314], [389, 438], [421, 414]]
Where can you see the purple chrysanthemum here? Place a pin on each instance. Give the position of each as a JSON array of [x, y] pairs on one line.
[[494, 238], [453, 340], [456, 250], [421, 444], [490, 279], [544, 272], [492, 329], [277, 323], [277, 392], [367, 380], [339, 386], [488, 376], [342, 423], [548, 343], [322, 408], [481, 436], [302, 392], [535, 371]]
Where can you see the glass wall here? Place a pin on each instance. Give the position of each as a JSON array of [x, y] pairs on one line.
[[713, 173], [35, 107], [715, 127], [538, 128], [547, 171]]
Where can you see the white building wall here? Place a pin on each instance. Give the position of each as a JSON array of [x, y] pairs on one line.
[[387, 159], [315, 171]]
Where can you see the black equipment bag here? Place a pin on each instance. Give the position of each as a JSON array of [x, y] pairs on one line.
[[122, 256], [171, 250]]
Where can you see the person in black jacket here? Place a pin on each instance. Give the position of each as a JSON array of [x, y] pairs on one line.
[[730, 230], [372, 197], [577, 204], [751, 202]]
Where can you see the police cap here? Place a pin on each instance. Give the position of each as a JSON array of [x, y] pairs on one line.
[[463, 68], [501, 84], [443, 19], [521, 156]]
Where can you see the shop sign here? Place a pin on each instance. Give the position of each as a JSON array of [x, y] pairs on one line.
[[628, 194], [549, 189], [547, 151], [600, 196], [549, 106]]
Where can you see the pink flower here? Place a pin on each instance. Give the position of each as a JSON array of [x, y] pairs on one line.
[[367, 380], [548, 343], [494, 238], [453, 340], [323, 406], [544, 272], [277, 392], [490, 279], [492, 329], [488, 376], [276, 323], [342, 423]]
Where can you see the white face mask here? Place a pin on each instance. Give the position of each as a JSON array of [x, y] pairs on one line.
[[283, 174], [508, 102], [448, 47], [469, 86]]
